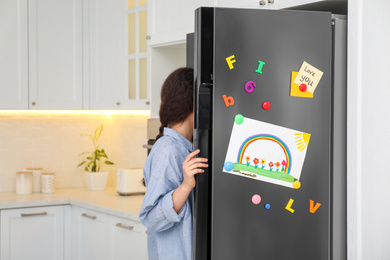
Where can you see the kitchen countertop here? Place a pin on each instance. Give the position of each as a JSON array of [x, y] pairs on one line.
[[107, 201]]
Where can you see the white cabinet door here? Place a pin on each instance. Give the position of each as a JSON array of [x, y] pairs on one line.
[[90, 235], [171, 20], [128, 239], [115, 81], [55, 54], [32, 233], [14, 54]]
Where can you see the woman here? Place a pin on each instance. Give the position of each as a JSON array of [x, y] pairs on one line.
[[169, 173]]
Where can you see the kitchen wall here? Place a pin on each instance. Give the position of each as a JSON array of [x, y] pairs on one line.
[[53, 141]]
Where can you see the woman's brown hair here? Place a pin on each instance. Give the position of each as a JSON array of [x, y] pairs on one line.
[[176, 99]]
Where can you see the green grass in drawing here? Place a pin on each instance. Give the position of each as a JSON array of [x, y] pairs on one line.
[[267, 173]]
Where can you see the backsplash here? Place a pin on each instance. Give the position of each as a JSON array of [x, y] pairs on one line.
[[53, 141]]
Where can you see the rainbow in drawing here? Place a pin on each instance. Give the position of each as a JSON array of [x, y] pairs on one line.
[[268, 137]]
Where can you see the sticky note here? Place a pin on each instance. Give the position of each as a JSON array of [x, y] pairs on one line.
[[308, 75], [295, 91]]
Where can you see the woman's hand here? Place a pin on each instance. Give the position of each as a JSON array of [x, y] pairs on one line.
[[192, 166]]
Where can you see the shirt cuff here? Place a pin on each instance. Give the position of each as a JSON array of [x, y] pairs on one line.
[[169, 212]]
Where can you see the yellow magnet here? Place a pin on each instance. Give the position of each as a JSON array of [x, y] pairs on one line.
[[289, 204]]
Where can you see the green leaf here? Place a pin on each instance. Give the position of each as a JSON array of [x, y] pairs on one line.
[[86, 169], [98, 131], [90, 136], [83, 153], [81, 163], [109, 163], [93, 169]]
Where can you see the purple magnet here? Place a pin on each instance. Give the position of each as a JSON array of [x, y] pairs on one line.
[[250, 86]]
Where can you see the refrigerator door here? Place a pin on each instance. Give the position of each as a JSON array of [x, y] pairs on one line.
[[279, 41]]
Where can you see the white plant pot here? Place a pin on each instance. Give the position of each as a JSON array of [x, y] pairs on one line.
[[96, 180]]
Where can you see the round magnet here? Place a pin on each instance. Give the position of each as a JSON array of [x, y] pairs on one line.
[[296, 184], [266, 105], [302, 87], [267, 206], [228, 166], [256, 199], [239, 119]]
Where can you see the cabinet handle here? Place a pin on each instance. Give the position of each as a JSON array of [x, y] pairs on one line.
[[88, 216], [262, 3], [271, 1], [124, 226], [148, 37], [118, 103], [33, 214], [33, 103]]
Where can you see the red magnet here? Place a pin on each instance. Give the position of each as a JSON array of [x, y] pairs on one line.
[[266, 105], [302, 87]]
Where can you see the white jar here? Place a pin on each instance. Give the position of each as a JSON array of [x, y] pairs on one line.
[[48, 182], [36, 172], [24, 182]]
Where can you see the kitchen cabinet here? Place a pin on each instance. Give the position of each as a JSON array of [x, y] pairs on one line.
[[116, 54], [96, 235], [128, 239], [170, 21], [14, 54], [89, 235], [33, 233], [41, 54], [55, 54]]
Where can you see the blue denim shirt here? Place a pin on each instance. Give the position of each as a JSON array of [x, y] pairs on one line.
[[169, 233]]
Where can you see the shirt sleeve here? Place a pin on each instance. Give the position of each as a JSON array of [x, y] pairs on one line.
[[157, 212]]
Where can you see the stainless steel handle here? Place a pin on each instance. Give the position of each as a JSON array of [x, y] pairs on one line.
[[147, 146], [271, 1], [33, 214], [88, 216], [261, 2], [124, 226]]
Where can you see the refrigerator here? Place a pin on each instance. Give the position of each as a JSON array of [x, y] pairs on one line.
[[270, 115]]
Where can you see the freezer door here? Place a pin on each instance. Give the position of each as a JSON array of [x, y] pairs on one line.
[[268, 46]]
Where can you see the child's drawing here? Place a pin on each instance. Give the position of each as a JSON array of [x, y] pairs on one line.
[[266, 152]]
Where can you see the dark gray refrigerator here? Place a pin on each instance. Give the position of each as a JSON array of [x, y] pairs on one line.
[[270, 115]]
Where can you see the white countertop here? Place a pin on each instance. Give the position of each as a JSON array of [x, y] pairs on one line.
[[107, 201]]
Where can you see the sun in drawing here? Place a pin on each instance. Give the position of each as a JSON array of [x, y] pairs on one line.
[[302, 140]]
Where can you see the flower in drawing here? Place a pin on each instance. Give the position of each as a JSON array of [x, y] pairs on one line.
[[283, 165], [262, 163], [248, 159], [256, 162], [277, 164], [270, 166]]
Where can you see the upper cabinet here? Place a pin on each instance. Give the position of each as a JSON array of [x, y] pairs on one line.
[[172, 20], [55, 54], [41, 50], [116, 54], [14, 54]]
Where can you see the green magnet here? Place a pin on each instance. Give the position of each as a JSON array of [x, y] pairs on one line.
[[239, 119]]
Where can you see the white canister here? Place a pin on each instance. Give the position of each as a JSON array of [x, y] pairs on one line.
[[36, 172], [24, 182], [48, 182]]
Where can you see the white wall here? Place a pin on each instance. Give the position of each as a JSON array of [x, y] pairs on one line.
[[53, 142], [368, 129]]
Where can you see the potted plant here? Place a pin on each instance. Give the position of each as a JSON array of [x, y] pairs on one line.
[[95, 179]]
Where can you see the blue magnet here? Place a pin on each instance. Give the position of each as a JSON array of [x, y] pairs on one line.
[[228, 166], [267, 206]]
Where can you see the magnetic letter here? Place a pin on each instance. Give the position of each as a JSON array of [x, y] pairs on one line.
[[250, 86], [313, 208], [289, 204], [230, 60], [261, 64], [229, 101]]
